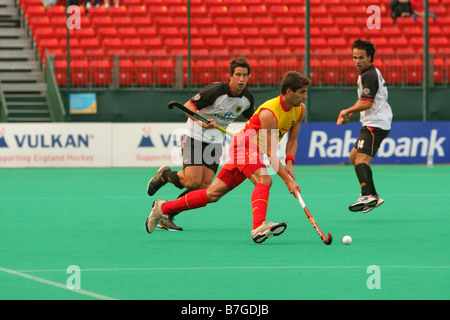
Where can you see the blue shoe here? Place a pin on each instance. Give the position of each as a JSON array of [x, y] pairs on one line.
[[363, 202], [379, 203]]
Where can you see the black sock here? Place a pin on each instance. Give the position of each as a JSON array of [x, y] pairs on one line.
[[172, 177], [364, 174]]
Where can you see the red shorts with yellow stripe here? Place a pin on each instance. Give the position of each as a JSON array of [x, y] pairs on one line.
[[245, 158]]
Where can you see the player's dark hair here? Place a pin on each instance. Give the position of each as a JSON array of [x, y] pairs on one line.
[[293, 80], [365, 45], [239, 62]]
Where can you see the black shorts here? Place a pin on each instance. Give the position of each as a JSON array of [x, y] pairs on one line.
[[370, 139], [198, 153]]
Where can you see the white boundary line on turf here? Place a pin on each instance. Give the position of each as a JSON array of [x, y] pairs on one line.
[[230, 268], [56, 284]]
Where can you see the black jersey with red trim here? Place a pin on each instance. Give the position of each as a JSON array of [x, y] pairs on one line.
[[372, 87], [215, 101]]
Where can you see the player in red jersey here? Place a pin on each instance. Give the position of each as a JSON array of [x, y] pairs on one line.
[[260, 135]]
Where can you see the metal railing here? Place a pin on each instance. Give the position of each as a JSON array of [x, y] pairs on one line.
[[98, 72]]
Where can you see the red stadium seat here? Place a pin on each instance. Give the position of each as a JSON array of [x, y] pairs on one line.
[[112, 43], [235, 43], [107, 32], [259, 11], [219, 11], [90, 43], [79, 72], [230, 32], [102, 22], [270, 32], [135, 11], [122, 21], [220, 22], [250, 32], [34, 11], [287, 21], [214, 43], [152, 43], [269, 71], [43, 33], [399, 42], [145, 32], [292, 32], [143, 70], [132, 43], [338, 43], [204, 70], [85, 32], [256, 43], [101, 72], [39, 21], [323, 22], [296, 43], [61, 72], [439, 42], [97, 11], [165, 74], [438, 70], [238, 10], [143, 21], [126, 32], [318, 43], [174, 43], [413, 31], [395, 73], [56, 11], [198, 43]]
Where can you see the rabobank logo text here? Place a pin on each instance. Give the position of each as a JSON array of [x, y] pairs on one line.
[[407, 142], [323, 146]]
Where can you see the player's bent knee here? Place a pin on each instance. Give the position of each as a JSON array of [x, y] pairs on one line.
[[193, 185], [267, 181], [214, 196]]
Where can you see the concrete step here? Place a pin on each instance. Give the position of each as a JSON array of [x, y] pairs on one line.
[[12, 33], [14, 44], [25, 88], [29, 77], [18, 54], [19, 66]]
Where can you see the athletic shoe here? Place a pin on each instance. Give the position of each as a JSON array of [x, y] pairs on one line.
[[267, 230], [157, 181], [379, 203], [168, 224], [363, 202], [155, 216]]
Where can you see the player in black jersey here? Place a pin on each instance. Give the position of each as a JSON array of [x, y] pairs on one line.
[[375, 116], [221, 103]]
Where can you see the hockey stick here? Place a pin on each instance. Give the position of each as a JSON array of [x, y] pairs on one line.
[[327, 240], [195, 115]]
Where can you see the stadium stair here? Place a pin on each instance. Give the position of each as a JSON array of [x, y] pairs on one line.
[[21, 78]]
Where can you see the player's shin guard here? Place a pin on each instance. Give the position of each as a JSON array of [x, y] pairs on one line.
[[260, 199], [192, 200], [364, 174]]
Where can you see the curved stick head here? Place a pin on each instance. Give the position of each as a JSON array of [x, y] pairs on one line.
[[329, 239], [172, 104]]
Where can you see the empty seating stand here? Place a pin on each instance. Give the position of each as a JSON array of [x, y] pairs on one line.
[[264, 30]]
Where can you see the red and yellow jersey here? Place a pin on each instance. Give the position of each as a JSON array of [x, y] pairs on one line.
[[285, 118]]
